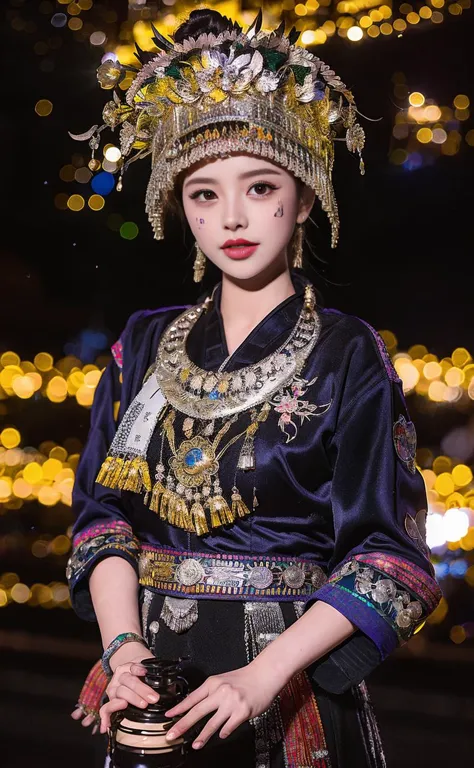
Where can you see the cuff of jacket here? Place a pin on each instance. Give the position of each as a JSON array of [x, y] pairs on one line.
[[362, 614], [91, 545], [347, 665]]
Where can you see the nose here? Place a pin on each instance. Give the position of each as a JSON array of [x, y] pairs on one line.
[[234, 215]]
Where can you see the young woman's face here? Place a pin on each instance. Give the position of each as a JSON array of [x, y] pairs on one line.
[[243, 197]]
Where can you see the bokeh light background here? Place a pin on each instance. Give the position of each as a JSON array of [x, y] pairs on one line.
[[77, 257]]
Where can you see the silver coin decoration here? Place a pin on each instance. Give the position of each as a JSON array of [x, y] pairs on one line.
[[318, 577], [260, 577], [154, 627], [293, 576], [189, 572]]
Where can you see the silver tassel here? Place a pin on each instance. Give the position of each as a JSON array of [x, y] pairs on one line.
[[263, 622], [179, 613]]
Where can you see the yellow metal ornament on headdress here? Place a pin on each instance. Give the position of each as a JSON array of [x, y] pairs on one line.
[[238, 91]]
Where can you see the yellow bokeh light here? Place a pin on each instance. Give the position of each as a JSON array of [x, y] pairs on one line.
[[43, 107], [33, 473], [43, 361], [20, 593], [429, 477], [21, 489], [48, 496], [457, 634], [50, 468], [10, 437], [57, 389], [416, 99], [462, 475], [425, 12], [40, 548], [470, 137], [365, 22], [9, 373], [374, 32], [9, 358], [75, 203], [432, 113], [424, 135], [92, 378], [376, 16], [9, 579], [444, 484], [3, 598], [75, 24], [96, 202], [400, 25], [320, 37], [442, 464], [413, 18], [461, 357], [85, 395], [454, 377], [23, 387], [5, 488], [436, 391], [432, 370], [60, 545], [58, 452], [409, 375], [386, 28], [37, 380], [301, 9]]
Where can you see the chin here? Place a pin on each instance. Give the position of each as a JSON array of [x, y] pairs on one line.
[[247, 269]]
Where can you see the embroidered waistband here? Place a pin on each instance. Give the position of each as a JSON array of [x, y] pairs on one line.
[[233, 577]]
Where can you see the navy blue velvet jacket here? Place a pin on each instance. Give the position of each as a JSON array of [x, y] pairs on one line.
[[344, 492]]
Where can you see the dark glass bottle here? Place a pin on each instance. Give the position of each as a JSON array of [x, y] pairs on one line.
[[137, 736]]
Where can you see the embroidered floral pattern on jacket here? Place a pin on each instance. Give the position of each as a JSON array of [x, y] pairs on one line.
[[92, 542], [288, 404], [404, 438]]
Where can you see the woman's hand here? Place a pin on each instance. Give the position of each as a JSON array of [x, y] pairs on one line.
[[124, 687], [234, 696]]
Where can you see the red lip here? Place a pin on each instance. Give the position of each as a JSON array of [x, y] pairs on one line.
[[240, 241]]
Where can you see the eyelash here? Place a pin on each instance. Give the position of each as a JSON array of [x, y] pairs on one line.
[[196, 194]]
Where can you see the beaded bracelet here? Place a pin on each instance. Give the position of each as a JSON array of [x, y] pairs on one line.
[[125, 637]]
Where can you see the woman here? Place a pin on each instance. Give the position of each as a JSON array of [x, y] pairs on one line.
[[254, 504]]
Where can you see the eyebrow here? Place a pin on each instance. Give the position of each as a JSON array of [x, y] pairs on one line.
[[246, 175]]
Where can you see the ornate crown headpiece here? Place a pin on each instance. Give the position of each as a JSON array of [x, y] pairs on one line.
[[251, 91]]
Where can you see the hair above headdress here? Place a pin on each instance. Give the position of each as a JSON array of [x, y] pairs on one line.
[[235, 91]]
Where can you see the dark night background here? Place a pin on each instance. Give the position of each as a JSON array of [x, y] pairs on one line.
[[403, 263]]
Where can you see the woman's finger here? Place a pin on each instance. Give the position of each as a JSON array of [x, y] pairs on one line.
[[233, 722], [209, 704], [135, 684], [77, 714], [124, 692], [211, 727], [107, 709], [88, 720], [191, 699]]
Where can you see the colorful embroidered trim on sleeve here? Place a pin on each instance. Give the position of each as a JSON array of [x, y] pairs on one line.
[[114, 536], [117, 351], [399, 591], [384, 353]]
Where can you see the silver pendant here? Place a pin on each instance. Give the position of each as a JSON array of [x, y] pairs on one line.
[[179, 613]]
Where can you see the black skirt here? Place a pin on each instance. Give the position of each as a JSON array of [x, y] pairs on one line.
[[216, 644]]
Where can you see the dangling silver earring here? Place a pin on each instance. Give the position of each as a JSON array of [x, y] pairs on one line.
[[298, 246], [199, 264]]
